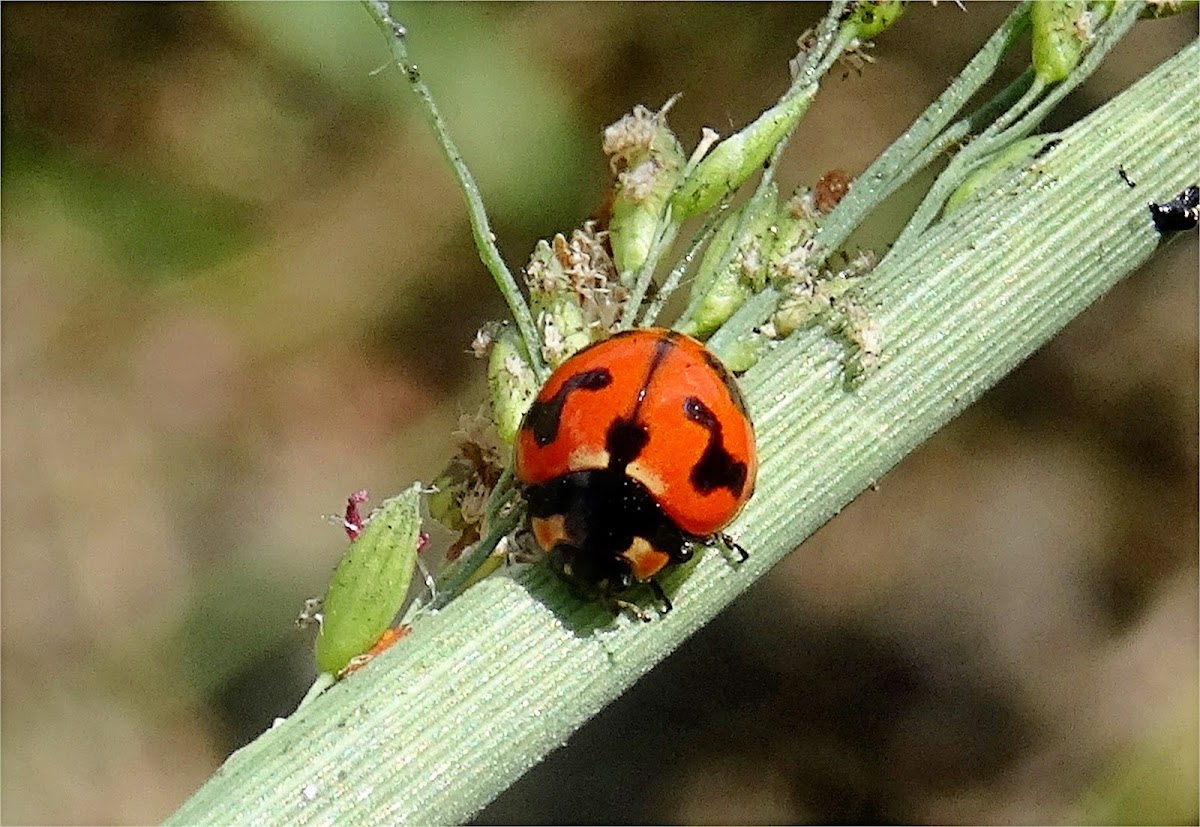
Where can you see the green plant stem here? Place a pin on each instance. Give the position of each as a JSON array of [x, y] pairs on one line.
[[910, 153], [974, 123], [664, 237], [438, 725], [1019, 122], [827, 46], [451, 584], [671, 282], [485, 239]]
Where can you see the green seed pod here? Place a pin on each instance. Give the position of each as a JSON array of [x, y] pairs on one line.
[[638, 206], [865, 20], [732, 270], [647, 160], [997, 167], [716, 250], [511, 382], [722, 300], [370, 582], [563, 327], [739, 156], [1061, 29]]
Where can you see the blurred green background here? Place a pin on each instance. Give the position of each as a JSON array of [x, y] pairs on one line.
[[238, 284]]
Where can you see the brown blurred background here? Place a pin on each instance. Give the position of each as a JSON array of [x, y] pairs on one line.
[[239, 284]]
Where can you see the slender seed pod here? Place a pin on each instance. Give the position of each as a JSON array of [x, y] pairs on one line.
[[733, 268], [997, 166], [716, 250], [739, 156]]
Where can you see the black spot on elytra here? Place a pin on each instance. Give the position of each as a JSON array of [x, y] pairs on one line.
[[625, 440], [627, 435], [717, 468], [543, 417]]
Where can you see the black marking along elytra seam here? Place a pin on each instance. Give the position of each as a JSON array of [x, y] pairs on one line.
[[731, 385], [716, 468], [544, 417], [627, 435], [661, 348]]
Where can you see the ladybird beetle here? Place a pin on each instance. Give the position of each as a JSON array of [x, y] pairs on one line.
[[636, 447]]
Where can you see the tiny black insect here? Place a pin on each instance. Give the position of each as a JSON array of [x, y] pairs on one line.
[[1125, 177], [1179, 214]]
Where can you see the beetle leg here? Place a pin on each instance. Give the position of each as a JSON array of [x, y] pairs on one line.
[[664, 603], [732, 545], [634, 609]]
